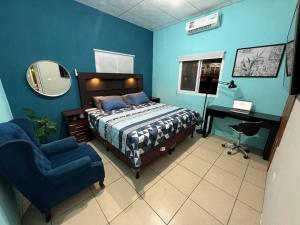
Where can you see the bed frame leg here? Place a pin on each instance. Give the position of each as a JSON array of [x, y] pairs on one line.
[[171, 151], [48, 217], [102, 185], [192, 135], [137, 175]]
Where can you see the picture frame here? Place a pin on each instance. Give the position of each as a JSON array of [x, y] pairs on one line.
[[290, 51], [258, 62]]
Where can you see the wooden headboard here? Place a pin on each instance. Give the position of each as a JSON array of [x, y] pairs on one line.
[[104, 84]]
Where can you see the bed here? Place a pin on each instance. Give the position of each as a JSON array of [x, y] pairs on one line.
[[136, 134]]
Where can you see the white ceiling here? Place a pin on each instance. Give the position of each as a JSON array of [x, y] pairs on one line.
[[154, 14]]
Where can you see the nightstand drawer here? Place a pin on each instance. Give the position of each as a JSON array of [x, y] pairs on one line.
[[77, 125]]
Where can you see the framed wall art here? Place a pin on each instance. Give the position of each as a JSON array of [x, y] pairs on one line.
[[261, 61]]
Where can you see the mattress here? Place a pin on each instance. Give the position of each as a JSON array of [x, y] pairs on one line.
[[138, 129]]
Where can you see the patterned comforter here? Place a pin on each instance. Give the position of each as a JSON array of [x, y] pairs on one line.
[[138, 129]]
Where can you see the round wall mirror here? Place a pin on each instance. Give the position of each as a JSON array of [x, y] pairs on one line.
[[48, 78]]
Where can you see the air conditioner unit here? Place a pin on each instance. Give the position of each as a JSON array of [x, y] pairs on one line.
[[205, 23]]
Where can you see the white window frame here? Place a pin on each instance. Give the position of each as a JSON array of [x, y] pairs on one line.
[[114, 53], [199, 58]]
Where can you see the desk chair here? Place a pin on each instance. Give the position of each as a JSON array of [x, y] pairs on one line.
[[246, 128]]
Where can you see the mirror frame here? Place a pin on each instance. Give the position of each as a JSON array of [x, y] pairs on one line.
[[43, 60]]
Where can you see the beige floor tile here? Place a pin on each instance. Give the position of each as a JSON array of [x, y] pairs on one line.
[[231, 166], [32, 216], [206, 154], [238, 156], [189, 145], [87, 213], [256, 176], [213, 145], [183, 179], [164, 199], [111, 174], [178, 155], [121, 167], [115, 198], [243, 214], [251, 195], [218, 139], [100, 149], [224, 180], [162, 165], [257, 162], [196, 165], [192, 214], [147, 179], [136, 214], [215, 201], [69, 203]]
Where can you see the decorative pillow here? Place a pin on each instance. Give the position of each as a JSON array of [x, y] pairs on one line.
[[137, 98], [112, 103], [97, 99]]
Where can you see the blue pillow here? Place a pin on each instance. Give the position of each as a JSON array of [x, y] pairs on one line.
[[137, 98], [114, 103]]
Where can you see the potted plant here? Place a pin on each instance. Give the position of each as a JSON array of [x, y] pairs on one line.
[[43, 127]]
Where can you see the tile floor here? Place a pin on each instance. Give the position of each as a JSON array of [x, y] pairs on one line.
[[198, 184]]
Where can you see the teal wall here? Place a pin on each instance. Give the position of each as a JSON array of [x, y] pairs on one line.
[[9, 212], [244, 24], [67, 32]]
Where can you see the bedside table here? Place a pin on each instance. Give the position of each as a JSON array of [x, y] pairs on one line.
[[77, 124], [155, 99]]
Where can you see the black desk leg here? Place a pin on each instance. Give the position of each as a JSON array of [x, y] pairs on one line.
[[204, 128], [211, 119], [270, 141]]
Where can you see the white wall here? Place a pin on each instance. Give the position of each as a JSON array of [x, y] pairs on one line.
[[5, 113], [282, 197], [9, 212]]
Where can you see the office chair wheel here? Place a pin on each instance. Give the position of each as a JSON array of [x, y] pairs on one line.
[[246, 157], [223, 145], [229, 153]]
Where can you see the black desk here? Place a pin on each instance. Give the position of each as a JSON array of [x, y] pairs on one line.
[[270, 122]]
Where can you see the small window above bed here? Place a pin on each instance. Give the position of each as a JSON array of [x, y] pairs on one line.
[[113, 62], [200, 74]]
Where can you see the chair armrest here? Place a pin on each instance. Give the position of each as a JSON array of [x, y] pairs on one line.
[[70, 168], [59, 146]]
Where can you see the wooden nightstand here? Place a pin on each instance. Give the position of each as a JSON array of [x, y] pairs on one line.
[[155, 99], [77, 124]]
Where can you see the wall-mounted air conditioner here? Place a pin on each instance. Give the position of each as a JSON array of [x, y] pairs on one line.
[[204, 23]]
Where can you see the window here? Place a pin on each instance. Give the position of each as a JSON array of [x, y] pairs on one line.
[[200, 73], [113, 62]]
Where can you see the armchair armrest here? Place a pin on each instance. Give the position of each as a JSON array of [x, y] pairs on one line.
[[70, 168], [59, 146]]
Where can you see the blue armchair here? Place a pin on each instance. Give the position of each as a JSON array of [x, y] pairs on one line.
[[46, 174]]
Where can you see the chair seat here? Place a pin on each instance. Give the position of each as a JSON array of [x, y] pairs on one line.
[[81, 151], [236, 128]]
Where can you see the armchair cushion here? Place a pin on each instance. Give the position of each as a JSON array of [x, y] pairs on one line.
[[69, 168], [82, 151], [60, 146]]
